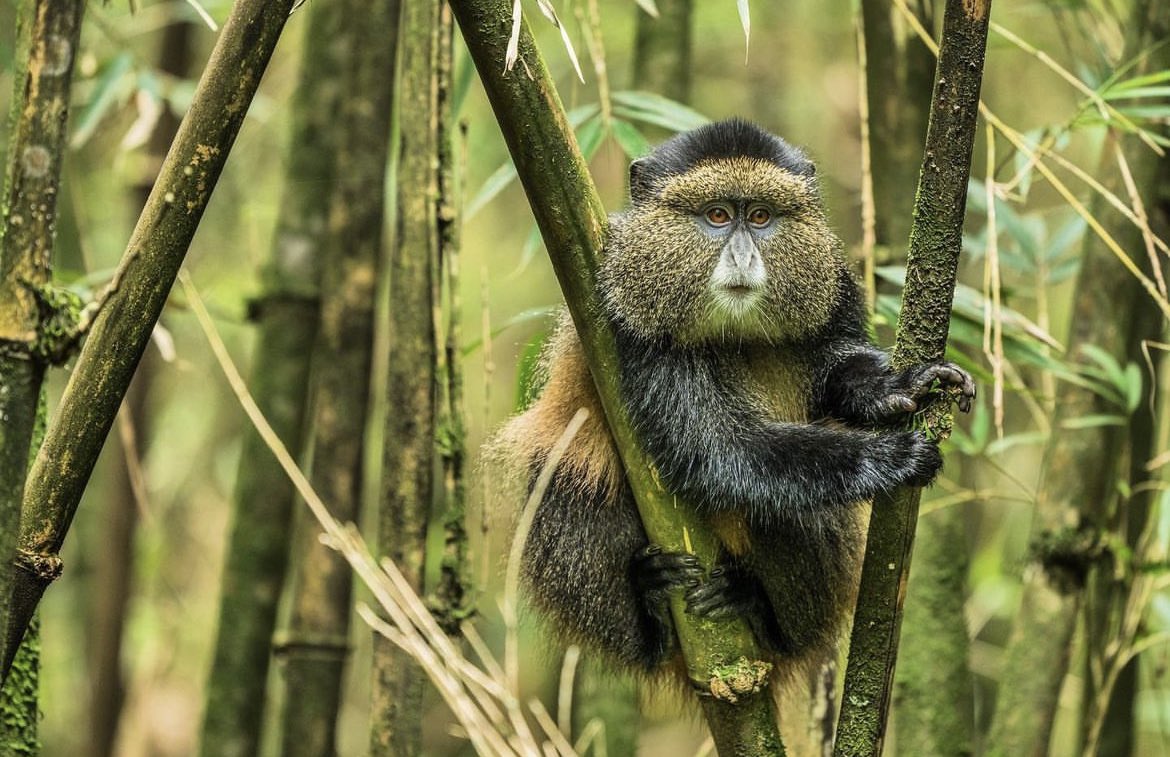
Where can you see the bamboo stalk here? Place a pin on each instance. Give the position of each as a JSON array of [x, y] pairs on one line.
[[935, 244], [123, 325], [49, 32], [572, 221], [285, 316], [407, 485], [315, 646]]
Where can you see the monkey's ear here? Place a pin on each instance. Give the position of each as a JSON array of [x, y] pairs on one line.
[[639, 180]]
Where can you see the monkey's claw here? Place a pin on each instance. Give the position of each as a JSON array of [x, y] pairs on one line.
[[721, 595], [918, 383]]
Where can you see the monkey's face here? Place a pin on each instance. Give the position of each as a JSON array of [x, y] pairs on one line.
[[734, 249]]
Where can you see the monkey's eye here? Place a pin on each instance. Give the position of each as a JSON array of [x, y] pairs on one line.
[[760, 217], [717, 215]]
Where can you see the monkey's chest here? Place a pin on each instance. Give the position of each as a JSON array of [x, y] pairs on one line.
[[779, 386]]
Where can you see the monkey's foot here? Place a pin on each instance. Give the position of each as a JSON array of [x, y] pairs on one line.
[[654, 574], [733, 592], [915, 384]]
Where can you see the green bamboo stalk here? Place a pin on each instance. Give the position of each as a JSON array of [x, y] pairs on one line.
[[452, 596], [409, 441], [662, 50], [48, 34], [123, 325], [286, 317], [935, 244], [723, 660], [315, 647], [900, 70]]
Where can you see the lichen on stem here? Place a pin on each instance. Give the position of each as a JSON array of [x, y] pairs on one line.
[[935, 243]]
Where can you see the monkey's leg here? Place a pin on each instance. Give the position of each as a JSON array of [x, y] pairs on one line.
[[579, 565]]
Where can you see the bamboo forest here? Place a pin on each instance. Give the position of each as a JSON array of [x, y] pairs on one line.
[[585, 377]]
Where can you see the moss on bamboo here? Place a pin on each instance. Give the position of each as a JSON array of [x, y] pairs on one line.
[[572, 220], [452, 597], [155, 252], [19, 710], [48, 35], [935, 243]]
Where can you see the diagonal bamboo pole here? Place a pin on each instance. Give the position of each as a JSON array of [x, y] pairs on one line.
[[572, 222], [935, 243], [141, 286]]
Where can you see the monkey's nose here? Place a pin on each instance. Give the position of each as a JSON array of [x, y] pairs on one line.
[[743, 250]]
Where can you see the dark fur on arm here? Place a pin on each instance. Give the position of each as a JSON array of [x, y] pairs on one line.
[[712, 447]]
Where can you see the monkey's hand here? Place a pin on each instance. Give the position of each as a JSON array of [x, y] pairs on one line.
[[903, 458], [907, 389]]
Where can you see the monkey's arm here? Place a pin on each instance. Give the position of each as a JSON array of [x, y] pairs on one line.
[[857, 385], [713, 447]]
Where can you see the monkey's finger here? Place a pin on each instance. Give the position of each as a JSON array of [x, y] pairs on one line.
[[897, 404], [711, 600], [658, 570]]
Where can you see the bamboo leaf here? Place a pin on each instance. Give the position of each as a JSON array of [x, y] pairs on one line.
[[746, 20], [111, 86], [1092, 421], [633, 144], [655, 109], [649, 6]]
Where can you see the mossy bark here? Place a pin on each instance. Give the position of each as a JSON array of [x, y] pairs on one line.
[[20, 711], [572, 221], [933, 698], [1079, 501], [315, 646], [452, 596], [409, 453], [285, 315], [935, 244], [48, 34], [19, 702], [123, 325]]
